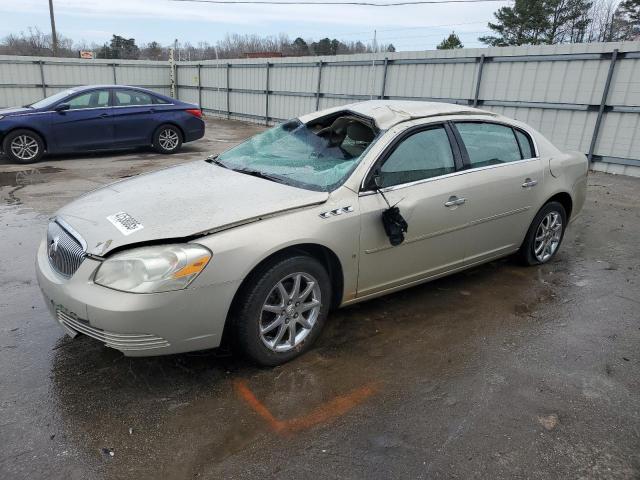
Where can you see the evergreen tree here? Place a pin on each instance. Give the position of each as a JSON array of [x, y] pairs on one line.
[[535, 22], [452, 41]]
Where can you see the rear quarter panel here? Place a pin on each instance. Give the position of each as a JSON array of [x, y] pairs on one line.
[[568, 172]]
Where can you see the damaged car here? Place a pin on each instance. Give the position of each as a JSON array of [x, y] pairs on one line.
[[260, 243]]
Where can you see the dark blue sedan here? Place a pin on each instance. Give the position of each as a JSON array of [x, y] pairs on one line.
[[105, 117]]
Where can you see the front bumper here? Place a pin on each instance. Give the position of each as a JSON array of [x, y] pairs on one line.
[[136, 324]]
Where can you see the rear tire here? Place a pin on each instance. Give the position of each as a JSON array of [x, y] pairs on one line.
[[282, 309], [23, 146], [544, 235], [167, 139]]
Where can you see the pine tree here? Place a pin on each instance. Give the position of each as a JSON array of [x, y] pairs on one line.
[[452, 41], [536, 22]]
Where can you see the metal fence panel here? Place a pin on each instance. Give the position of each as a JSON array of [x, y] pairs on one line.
[[559, 90]]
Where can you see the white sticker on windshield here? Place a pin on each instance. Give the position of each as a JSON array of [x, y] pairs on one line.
[[125, 223]]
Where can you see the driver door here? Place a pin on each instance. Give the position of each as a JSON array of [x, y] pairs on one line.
[[86, 125], [419, 174]]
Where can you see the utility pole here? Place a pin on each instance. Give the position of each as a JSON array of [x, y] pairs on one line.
[[54, 37]]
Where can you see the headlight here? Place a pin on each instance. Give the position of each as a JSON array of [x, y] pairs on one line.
[[153, 269]]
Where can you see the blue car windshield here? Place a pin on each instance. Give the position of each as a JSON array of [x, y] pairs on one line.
[[56, 97], [316, 158]]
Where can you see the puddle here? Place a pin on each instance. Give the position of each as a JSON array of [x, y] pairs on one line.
[[21, 178]]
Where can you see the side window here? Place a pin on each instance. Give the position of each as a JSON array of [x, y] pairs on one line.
[[423, 155], [95, 99], [526, 146], [489, 143], [132, 98]]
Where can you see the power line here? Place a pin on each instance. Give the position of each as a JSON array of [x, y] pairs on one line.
[[348, 34], [362, 3]]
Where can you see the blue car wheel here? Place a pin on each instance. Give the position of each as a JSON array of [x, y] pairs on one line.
[[167, 139], [23, 146]]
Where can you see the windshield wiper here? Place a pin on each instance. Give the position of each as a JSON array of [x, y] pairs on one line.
[[258, 173], [214, 160]]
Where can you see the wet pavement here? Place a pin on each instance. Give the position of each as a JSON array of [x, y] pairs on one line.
[[501, 371]]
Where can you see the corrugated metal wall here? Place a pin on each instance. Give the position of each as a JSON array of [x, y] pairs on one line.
[[27, 79], [557, 89]]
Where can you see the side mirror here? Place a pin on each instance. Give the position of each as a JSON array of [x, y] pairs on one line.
[[377, 181], [62, 107]]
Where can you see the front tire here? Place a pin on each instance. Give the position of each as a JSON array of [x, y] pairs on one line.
[[23, 146], [282, 309], [544, 235], [167, 139]]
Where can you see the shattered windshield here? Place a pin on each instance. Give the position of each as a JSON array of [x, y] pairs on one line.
[[318, 157]]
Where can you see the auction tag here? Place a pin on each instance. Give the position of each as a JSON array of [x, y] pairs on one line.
[[125, 223]]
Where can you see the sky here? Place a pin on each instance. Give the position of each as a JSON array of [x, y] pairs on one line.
[[415, 27]]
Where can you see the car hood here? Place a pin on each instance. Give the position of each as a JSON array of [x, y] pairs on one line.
[[176, 203], [15, 110]]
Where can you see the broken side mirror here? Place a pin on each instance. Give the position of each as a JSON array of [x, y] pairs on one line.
[[395, 226]]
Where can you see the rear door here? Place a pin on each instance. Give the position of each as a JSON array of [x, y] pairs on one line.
[[135, 116], [420, 173], [502, 186], [86, 125]]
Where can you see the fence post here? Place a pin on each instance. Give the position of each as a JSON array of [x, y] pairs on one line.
[[603, 103], [384, 77], [177, 83], [44, 84], [266, 97], [318, 88], [199, 87], [479, 79], [115, 78], [228, 92]]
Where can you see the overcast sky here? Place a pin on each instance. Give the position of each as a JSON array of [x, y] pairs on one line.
[[408, 27]]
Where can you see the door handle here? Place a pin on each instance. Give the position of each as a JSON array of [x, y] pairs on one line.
[[529, 183], [104, 115], [454, 201]]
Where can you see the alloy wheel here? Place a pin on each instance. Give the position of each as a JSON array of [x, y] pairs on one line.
[[548, 236], [168, 139], [290, 312], [24, 147]]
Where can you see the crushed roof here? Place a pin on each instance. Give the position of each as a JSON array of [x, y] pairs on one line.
[[387, 113]]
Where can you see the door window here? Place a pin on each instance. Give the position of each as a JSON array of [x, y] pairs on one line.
[[95, 99], [423, 155], [132, 98], [489, 143], [525, 144]]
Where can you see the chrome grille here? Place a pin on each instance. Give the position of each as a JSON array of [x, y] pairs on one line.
[[119, 341], [65, 251]]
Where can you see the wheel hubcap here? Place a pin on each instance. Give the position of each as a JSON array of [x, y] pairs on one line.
[[290, 312], [168, 139], [24, 147], [548, 236]]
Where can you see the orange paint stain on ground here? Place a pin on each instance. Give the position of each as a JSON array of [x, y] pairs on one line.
[[326, 412]]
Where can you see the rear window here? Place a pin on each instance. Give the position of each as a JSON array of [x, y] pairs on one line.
[[489, 143]]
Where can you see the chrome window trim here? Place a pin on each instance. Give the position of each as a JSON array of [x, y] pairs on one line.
[[146, 105], [400, 186]]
